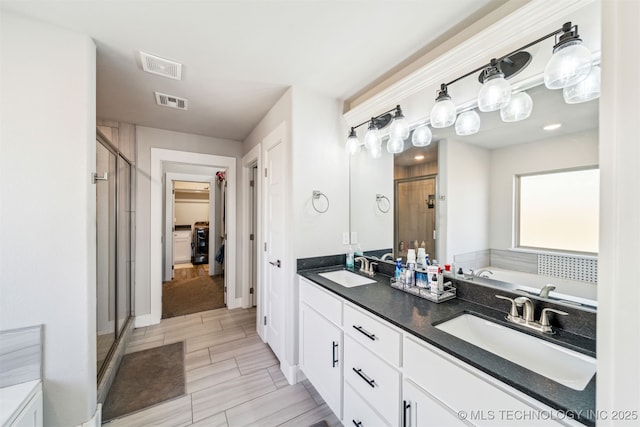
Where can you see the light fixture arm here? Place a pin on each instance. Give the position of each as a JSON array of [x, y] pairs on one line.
[[565, 28], [375, 119]]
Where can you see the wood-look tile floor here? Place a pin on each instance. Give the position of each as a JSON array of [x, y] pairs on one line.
[[232, 377]]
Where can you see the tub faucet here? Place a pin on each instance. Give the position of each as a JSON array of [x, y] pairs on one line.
[[544, 292], [484, 272]]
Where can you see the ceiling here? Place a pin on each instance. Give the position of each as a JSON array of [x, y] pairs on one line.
[[241, 56]]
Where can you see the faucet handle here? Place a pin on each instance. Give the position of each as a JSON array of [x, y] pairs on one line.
[[544, 317], [513, 313], [371, 271]]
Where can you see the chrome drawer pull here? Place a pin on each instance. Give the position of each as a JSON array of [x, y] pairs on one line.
[[334, 354], [369, 381], [369, 335]]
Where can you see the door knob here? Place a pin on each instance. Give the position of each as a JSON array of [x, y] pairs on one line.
[[277, 263]]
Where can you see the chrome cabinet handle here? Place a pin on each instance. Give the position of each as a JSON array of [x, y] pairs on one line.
[[369, 335], [368, 380], [335, 356]]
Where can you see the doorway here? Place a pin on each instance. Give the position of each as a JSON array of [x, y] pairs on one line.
[[415, 219], [160, 158]]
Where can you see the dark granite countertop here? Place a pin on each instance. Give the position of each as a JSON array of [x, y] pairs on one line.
[[418, 317]]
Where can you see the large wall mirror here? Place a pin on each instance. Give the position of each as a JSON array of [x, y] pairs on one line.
[[458, 197]]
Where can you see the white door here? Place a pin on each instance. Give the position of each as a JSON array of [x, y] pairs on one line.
[[275, 238]]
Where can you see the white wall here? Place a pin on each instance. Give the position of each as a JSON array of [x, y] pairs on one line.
[[47, 216], [319, 163], [618, 291], [188, 211], [464, 214], [564, 152], [281, 111], [148, 138]]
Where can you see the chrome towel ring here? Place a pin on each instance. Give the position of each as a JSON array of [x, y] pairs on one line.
[[317, 195], [380, 198]]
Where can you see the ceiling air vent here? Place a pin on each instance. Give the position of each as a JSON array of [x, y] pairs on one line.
[[171, 101], [160, 66]]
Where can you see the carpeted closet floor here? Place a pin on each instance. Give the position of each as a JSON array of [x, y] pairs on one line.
[[192, 295]]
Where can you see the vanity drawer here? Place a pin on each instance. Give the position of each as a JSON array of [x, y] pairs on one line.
[[381, 339], [321, 301], [462, 390], [376, 382], [358, 413]]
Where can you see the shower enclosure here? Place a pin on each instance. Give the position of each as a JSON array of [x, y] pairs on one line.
[[113, 181]]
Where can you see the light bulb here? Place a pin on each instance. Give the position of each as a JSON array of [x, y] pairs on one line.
[[371, 138], [395, 145], [399, 126], [421, 136], [519, 108], [495, 93], [569, 65], [353, 145], [443, 113], [584, 91], [467, 123]]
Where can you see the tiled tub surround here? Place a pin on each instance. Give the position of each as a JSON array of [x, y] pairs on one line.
[[572, 275], [418, 316]]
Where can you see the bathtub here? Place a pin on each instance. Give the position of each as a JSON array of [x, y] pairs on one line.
[[568, 291]]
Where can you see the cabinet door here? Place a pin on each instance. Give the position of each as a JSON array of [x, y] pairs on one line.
[[420, 409], [181, 246], [321, 356], [31, 415]]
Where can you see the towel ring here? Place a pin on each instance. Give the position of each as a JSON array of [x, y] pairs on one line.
[[316, 195], [379, 199]]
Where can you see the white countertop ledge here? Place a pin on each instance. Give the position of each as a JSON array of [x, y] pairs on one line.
[[14, 398]]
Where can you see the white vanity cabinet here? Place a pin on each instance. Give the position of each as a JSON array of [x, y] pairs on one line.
[[458, 392], [321, 343], [421, 409], [372, 373], [22, 405]]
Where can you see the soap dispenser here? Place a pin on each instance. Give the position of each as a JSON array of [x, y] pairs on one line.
[[350, 262]]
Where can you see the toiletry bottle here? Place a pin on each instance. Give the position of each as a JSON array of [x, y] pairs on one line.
[[349, 256], [411, 267], [398, 269], [426, 258], [434, 284]]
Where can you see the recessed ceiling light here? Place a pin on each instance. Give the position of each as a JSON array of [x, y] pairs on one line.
[[419, 157], [552, 126]]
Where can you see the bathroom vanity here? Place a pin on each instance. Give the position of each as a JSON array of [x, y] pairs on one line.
[[377, 357]]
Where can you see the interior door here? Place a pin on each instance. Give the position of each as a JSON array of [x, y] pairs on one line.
[[253, 249], [415, 215], [275, 237]]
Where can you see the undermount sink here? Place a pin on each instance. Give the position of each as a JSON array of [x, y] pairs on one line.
[[559, 364], [346, 278]]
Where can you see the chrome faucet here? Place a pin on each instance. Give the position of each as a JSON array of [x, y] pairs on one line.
[[484, 271], [544, 292], [527, 318], [386, 256], [366, 266]]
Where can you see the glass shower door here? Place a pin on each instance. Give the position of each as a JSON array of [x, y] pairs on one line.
[[106, 252]]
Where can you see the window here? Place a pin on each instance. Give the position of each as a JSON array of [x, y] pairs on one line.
[[559, 210]]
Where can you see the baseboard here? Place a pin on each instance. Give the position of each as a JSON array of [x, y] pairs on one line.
[[235, 303], [96, 420], [290, 372], [146, 320]]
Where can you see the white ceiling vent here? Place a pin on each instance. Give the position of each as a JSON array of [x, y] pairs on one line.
[[171, 101], [160, 66]]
